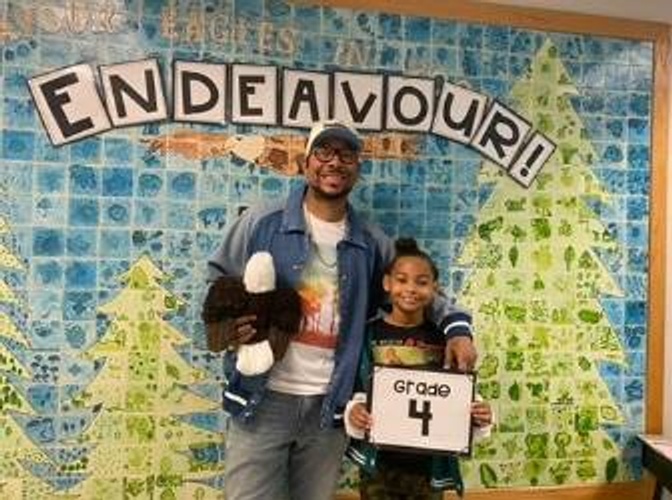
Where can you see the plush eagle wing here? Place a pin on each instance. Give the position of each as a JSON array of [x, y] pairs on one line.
[[286, 310], [226, 299]]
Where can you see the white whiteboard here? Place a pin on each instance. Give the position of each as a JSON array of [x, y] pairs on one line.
[[421, 409]]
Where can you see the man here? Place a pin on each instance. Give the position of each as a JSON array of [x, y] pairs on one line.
[[285, 437]]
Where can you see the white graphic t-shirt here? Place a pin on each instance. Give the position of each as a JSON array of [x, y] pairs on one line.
[[307, 365]]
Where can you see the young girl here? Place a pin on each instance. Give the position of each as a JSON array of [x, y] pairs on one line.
[[404, 337]]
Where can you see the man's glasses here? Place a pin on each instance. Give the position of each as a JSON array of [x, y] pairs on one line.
[[325, 152]]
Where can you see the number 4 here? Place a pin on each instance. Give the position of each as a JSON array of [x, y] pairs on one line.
[[425, 415]]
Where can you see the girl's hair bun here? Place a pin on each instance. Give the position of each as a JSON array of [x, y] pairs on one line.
[[406, 246]]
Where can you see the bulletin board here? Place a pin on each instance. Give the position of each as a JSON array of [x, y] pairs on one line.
[[115, 192], [503, 356]]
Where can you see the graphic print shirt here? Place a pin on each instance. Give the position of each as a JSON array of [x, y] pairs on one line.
[[307, 365], [418, 346]]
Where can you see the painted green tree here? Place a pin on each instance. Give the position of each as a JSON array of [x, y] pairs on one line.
[[16, 447], [534, 285], [143, 448]]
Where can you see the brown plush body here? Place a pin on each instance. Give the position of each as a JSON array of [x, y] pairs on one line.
[[278, 312]]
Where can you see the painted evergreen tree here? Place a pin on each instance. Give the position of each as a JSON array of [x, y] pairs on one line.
[[535, 283], [9, 332], [144, 444], [16, 447]]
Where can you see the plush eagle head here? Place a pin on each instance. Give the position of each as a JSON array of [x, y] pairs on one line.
[[278, 312]]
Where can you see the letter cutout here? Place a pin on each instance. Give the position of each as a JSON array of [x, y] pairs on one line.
[[533, 156], [254, 94], [68, 104], [134, 92], [305, 98], [358, 99], [199, 93], [501, 135], [410, 104], [459, 113]]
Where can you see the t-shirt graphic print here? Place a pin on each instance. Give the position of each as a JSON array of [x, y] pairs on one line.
[[307, 365]]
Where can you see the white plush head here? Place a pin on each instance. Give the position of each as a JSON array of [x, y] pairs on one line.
[[259, 274]]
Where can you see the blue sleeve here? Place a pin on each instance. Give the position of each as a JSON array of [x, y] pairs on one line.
[[230, 257], [450, 318], [383, 255]]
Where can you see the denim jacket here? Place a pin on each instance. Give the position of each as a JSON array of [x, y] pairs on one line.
[[361, 255]]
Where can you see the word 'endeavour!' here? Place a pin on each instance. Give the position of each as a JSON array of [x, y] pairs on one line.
[[133, 93]]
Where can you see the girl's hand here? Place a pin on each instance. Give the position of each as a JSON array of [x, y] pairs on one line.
[[360, 418], [481, 413]]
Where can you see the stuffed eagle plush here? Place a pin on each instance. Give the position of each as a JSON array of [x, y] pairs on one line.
[[278, 313]]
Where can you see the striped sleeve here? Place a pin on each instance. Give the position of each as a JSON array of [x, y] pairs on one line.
[[456, 323]]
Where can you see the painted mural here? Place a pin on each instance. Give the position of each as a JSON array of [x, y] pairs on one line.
[[107, 389]]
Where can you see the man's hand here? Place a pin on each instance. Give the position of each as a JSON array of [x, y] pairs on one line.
[[460, 354], [230, 333]]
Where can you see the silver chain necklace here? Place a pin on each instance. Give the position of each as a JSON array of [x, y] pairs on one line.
[[316, 247], [321, 258]]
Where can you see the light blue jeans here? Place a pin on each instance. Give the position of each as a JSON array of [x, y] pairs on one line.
[[282, 453]]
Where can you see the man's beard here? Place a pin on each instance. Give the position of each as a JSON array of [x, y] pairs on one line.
[[343, 194]]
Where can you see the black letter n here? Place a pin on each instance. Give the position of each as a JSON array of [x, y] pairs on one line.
[[120, 86]]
